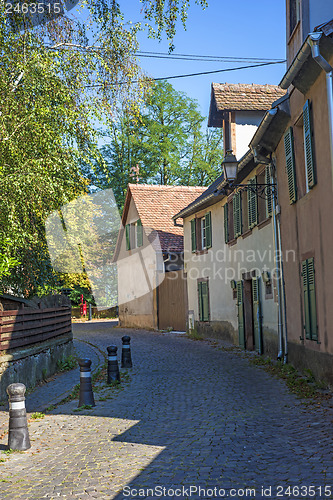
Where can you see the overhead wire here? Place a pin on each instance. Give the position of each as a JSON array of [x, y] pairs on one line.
[[195, 74]]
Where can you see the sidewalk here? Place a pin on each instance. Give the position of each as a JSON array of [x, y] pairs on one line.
[[57, 387]]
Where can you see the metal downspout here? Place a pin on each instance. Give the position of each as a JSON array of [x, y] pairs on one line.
[[277, 264], [283, 298], [313, 41]]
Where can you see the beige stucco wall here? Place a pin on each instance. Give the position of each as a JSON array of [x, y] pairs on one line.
[[138, 276], [307, 224], [223, 263]]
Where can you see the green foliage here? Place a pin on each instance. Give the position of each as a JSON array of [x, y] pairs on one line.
[[165, 140], [57, 81], [6, 261], [67, 364], [37, 415]]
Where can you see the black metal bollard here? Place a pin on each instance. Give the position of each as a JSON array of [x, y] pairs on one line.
[[86, 393], [113, 368], [126, 358], [18, 435]]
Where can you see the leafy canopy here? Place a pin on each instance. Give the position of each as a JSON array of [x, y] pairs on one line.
[[165, 144], [57, 82]]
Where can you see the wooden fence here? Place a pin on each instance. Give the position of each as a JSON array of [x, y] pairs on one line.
[[24, 327]]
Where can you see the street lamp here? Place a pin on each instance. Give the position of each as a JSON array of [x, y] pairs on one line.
[[229, 165]]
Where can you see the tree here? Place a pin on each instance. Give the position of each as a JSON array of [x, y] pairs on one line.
[[165, 140], [57, 80]]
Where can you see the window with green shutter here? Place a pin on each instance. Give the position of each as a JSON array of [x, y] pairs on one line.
[[128, 236], [237, 212], [208, 229], [268, 192], [203, 299], [290, 164], [193, 235], [139, 233], [309, 294], [226, 222], [256, 314], [252, 203], [308, 147]]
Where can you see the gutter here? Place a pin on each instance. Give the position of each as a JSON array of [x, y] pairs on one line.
[[296, 65], [266, 121], [313, 41]]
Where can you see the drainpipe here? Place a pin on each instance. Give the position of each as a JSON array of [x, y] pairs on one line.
[[277, 261], [313, 41], [283, 297]]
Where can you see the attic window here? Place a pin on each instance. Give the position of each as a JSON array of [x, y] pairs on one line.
[[294, 14], [134, 235]]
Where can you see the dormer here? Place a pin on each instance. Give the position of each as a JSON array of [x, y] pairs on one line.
[[238, 109]]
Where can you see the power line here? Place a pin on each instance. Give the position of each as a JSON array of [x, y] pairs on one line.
[[195, 74], [196, 57]]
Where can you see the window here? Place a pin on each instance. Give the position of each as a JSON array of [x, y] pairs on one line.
[[261, 198], [237, 213], [138, 233], [308, 147], [128, 236], [245, 220], [294, 14], [201, 233], [269, 194], [290, 164], [309, 294], [228, 222], [203, 300], [252, 202], [134, 235]]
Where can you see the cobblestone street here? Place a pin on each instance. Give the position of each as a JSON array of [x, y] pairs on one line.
[[192, 414]]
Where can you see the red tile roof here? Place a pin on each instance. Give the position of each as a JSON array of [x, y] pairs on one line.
[[245, 97], [156, 206]]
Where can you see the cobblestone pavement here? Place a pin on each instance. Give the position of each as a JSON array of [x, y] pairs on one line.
[[192, 415]]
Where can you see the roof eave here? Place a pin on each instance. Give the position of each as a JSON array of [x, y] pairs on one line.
[[304, 70]]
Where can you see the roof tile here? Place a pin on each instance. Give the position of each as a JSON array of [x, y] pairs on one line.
[[156, 206], [245, 97]]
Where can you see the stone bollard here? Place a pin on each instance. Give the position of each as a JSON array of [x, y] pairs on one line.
[[113, 368], [86, 393], [90, 313], [126, 359], [18, 435]]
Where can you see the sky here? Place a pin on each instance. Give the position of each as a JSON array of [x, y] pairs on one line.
[[236, 28]]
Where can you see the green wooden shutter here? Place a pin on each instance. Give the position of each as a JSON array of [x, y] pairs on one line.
[[237, 209], [208, 227], [139, 234], [240, 309], [307, 325], [268, 197], [308, 146], [256, 314], [205, 301], [128, 236], [312, 299], [193, 235], [226, 223], [290, 164], [200, 300], [252, 203]]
